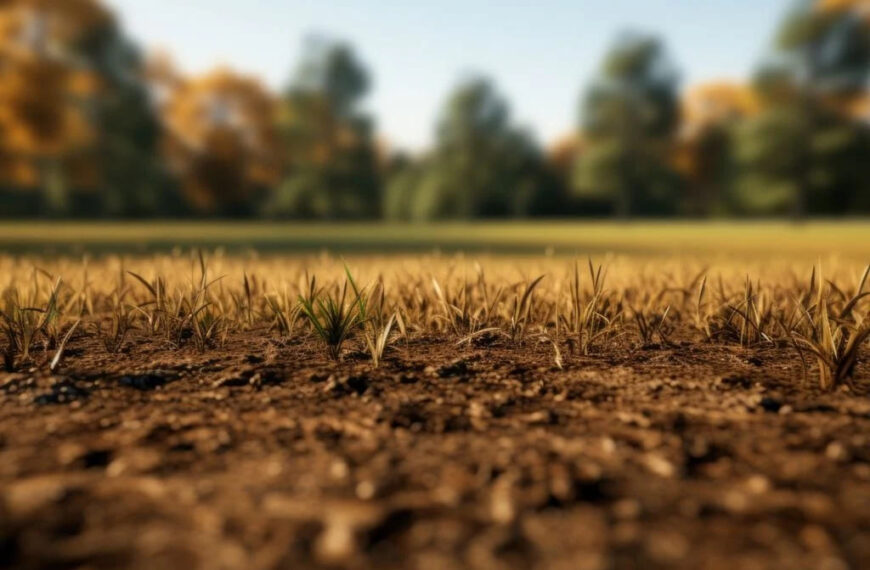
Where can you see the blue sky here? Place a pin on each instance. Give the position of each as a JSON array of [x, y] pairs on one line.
[[540, 53]]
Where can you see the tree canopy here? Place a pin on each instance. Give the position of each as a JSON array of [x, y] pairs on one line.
[[331, 162], [90, 127], [481, 166], [804, 152], [221, 141], [76, 123], [630, 115]]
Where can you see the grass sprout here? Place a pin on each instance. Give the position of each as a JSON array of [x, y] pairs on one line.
[[334, 315], [651, 325], [590, 317], [285, 313], [521, 309], [24, 323], [376, 325], [833, 337]]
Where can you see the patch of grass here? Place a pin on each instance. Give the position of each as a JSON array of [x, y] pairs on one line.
[[334, 315], [591, 315], [650, 324], [456, 308], [117, 330], [751, 320], [587, 312], [284, 313], [376, 320], [833, 337], [521, 308], [24, 322]]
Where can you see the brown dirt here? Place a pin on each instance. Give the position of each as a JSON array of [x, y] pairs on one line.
[[266, 455]]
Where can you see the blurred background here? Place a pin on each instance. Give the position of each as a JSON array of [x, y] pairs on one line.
[[466, 110]]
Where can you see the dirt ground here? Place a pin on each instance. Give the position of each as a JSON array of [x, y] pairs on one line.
[[266, 455]]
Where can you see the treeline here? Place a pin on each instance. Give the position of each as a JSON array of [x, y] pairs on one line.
[[91, 128]]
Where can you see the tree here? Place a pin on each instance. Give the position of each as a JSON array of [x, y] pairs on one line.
[[221, 142], [78, 131], [629, 117], [132, 180], [823, 47], [704, 153], [797, 162], [44, 92], [481, 166], [803, 153], [331, 161]]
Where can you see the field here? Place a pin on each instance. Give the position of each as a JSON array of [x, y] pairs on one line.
[[801, 241], [558, 396]]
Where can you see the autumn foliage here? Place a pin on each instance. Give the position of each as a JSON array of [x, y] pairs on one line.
[[45, 88], [220, 139], [705, 108]]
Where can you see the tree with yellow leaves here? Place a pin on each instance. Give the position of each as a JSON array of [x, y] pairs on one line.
[[220, 141], [44, 92], [77, 134]]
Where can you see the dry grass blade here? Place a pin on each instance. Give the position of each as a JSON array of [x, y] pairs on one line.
[[522, 306], [284, 314], [750, 321], [702, 314], [590, 317], [377, 344], [58, 355], [376, 325]]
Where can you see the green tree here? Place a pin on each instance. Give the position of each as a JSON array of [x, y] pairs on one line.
[[481, 166], [330, 154], [705, 150], [802, 155], [823, 51], [713, 169], [797, 160], [629, 117]]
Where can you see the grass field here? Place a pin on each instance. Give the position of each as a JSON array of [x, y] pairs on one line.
[[810, 240], [699, 399]]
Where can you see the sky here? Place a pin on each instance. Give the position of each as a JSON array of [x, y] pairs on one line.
[[540, 53]]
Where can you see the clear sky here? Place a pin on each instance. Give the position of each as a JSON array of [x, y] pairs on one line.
[[540, 53]]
